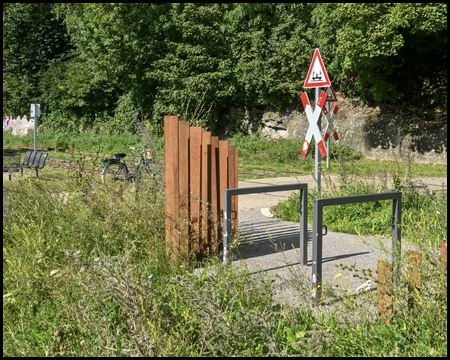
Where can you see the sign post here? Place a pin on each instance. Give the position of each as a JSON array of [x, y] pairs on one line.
[[317, 77], [327, 138], [313, 129], [35, 112], [317, 158]]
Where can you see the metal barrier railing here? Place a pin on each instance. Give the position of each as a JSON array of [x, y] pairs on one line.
[[318, 206], [303, 187]]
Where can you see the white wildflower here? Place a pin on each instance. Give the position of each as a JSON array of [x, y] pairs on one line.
[[365, 287], [53, 272]]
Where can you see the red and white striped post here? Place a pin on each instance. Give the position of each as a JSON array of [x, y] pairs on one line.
[[330, 128]]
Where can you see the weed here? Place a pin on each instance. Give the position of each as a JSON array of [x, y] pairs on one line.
[[86, 273]]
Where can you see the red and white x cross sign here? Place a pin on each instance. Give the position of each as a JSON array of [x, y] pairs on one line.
[[330, 126], [313, 118]]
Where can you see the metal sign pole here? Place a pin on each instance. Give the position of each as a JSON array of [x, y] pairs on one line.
[[317, 77], [317, 153], [328, 141], [35, 134], [35, 112]]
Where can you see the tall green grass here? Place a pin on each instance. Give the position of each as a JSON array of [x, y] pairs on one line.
[[86, 273], [47, 228], [424, 212], [254, 151], [258, 150], [86, 141]]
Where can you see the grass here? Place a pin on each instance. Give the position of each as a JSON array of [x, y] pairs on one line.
[[284, 154], [86, 273], [424, 212], [254, 151], [87, 143]]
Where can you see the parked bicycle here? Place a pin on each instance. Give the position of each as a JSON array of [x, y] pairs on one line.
[[116, 169]]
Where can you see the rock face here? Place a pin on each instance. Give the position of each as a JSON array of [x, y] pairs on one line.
[[385, 133]]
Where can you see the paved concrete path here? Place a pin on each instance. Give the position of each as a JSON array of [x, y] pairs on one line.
[[271, 246]]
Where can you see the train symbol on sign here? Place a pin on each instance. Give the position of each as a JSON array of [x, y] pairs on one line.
[[316, 77]]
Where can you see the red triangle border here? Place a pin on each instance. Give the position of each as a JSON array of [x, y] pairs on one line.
[[325, 83]]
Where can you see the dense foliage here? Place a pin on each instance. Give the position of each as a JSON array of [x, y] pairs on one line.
[[33, 38], [110, 65]]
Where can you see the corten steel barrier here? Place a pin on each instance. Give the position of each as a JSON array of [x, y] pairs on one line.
[[318, 206], [227, 210], [385, 309], [197, 168]]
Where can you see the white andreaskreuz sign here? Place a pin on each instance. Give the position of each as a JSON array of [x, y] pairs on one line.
[[313, 118], [330, 123]]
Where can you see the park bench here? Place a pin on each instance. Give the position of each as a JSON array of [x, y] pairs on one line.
[[32, 160]]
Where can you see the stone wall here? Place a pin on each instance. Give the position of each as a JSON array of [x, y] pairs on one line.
[[383, 134], [19, 125]]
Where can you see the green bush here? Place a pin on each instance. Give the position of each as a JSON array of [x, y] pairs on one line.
[[255, 148]]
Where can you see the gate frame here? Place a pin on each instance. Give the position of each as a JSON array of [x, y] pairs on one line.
[[318, 206], [303, 187]]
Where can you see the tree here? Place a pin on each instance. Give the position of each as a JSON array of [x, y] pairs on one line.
[[193, 75], [158, 59], [32, 37], [271, 48], [105, 64], [385, 52]]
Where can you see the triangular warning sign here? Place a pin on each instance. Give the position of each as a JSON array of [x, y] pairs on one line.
[[317, 75], [331, 95]]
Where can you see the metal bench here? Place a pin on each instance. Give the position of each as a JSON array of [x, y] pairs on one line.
[[32, 160]]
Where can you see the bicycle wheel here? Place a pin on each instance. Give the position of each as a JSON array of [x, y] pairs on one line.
[[150, 177], [115, 173], [149, 170]]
